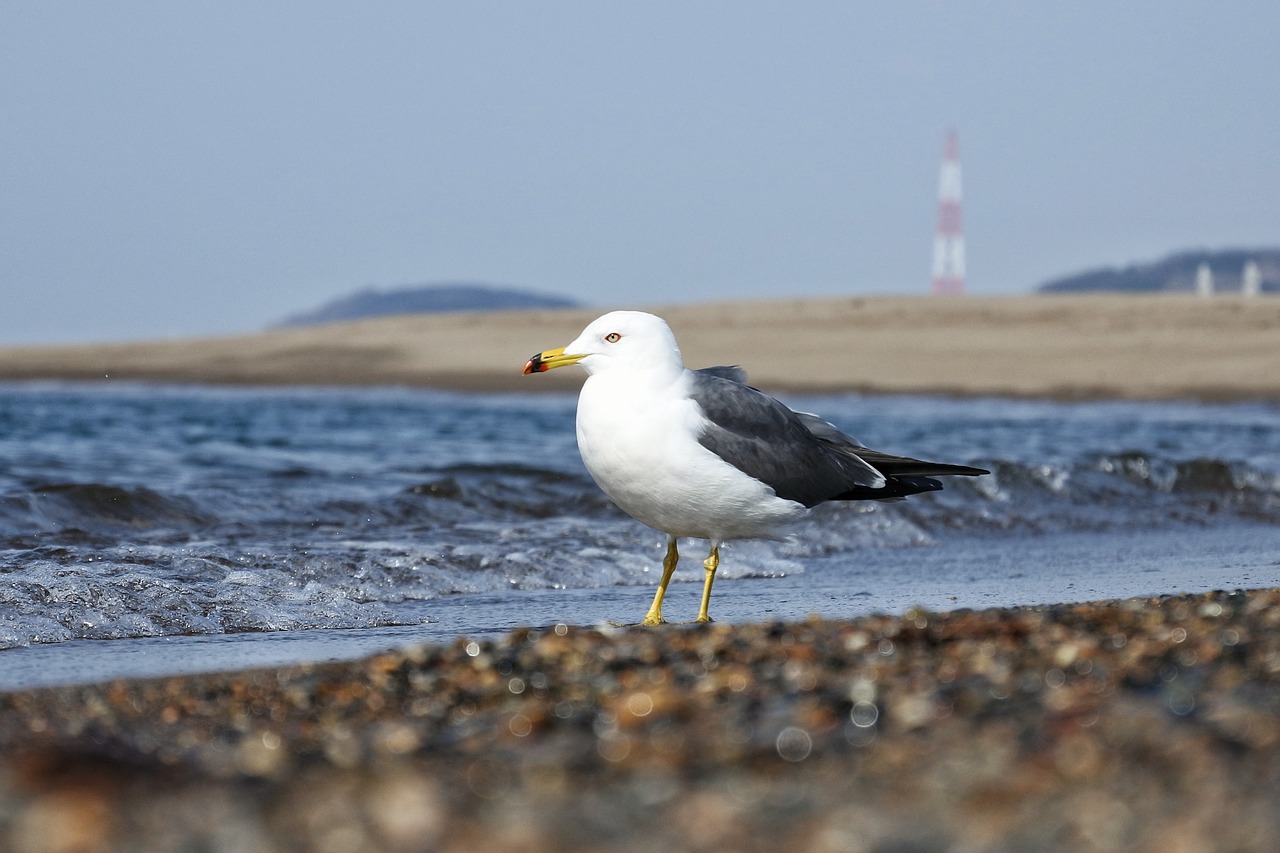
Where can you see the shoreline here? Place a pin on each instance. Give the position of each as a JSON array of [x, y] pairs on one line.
[[1146, 724], [1109, 346]]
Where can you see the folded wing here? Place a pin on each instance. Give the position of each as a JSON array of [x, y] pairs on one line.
[[800, 456]]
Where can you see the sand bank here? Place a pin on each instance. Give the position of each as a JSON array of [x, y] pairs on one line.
[[1146, 725], [1139, 347]]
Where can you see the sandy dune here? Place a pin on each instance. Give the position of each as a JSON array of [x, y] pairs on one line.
[[1142, 347]]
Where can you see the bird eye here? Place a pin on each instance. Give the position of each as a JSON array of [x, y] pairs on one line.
[[613, 337]]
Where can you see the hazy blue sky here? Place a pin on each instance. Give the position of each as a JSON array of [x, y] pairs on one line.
[[189, 168]]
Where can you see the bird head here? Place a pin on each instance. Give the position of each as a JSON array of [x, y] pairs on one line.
[[628, 339]]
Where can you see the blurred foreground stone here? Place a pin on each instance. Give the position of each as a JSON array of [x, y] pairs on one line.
[[1146, 725]]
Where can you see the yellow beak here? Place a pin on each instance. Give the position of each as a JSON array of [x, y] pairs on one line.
[[552, 358]]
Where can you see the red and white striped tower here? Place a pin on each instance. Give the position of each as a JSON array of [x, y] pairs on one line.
[[948, 243]]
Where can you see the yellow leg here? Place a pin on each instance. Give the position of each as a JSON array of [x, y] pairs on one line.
[[654, 616], [710, 564]]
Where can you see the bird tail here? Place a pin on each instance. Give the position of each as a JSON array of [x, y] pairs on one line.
[[894, 489], [903, 476], [903, 466]]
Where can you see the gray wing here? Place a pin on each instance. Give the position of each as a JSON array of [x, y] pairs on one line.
[[816, 425], [764, 439], [827, 431]]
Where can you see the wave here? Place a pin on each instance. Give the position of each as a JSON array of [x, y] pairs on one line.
[[1107, 492], [101, 507], [1103, 490], [103, 561]]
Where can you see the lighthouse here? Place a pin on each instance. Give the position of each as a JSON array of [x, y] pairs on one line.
[[948, 241]]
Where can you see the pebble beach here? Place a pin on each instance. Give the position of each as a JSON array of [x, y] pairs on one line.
[[1145, 724]]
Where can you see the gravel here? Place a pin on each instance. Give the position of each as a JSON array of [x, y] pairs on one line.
[[1145, 724]]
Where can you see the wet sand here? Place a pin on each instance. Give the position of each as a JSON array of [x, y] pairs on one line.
[[1138, 347], [1147, 724]]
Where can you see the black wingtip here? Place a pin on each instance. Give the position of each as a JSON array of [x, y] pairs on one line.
[[894, 487]]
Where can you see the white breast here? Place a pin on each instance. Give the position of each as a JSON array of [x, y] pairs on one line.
[[639, 441]]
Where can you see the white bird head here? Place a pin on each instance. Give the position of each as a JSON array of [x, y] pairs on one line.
[[619, 339]]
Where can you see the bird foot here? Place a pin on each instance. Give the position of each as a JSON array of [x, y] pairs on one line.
[[653, 619]]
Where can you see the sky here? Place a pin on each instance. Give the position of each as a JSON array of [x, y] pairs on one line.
[[197, 168]]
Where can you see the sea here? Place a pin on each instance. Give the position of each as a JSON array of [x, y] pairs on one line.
[[153, 530]]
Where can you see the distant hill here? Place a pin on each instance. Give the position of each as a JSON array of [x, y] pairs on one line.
[[1176, 273], [425, 299]]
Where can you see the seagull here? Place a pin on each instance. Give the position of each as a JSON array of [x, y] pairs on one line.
[[701, 454]]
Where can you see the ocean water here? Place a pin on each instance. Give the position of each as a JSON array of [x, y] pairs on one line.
[[152, 529]]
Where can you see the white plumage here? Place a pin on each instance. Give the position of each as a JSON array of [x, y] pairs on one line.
[[638, 428]]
